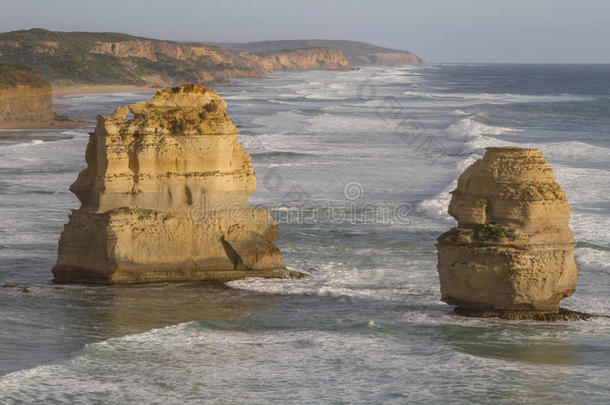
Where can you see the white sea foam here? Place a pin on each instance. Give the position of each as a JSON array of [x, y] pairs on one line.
[[284, 102], [574, 151], [356, 326], [501, 98], [75, 133], [320, 90], [582, 184], [34, 142], [472, 137], [436, 207], [235, 361], [340, 123], [470, 128], [594, 259], [460, 113], [282, 121]]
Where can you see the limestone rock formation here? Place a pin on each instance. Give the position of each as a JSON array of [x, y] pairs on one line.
[[164, 198], [387, 59], [356, 53], [512, 253], [24, 95], [76, 58], [300, 59]]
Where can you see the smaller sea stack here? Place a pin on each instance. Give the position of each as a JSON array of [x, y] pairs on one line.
[[512, 253], [24, 95]]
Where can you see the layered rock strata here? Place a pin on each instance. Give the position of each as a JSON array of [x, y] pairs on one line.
[[387, 59], [300, 59], [86, 58], [356, 53], [24, 95], [164, 198], [512, 253]]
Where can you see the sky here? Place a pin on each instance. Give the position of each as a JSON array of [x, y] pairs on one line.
[[440, 31]]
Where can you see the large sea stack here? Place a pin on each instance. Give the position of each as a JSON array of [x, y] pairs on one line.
[[512, 253], [164, 198]]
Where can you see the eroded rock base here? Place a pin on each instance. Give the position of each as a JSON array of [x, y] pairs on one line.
[[127, 246], [561, 315]]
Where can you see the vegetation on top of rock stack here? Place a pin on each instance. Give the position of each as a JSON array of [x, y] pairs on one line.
[[486, 233], [13, 74], [492, 232]]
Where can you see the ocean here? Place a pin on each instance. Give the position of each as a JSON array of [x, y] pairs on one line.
[[357, 167]]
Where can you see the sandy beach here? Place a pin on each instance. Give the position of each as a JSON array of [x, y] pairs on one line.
[[47, 124], [101, 88], [65, 91]]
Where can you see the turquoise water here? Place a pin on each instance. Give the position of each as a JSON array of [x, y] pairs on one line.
[[357, 167]]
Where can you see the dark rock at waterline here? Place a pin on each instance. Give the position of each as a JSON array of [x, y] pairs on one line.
[[561, 315]]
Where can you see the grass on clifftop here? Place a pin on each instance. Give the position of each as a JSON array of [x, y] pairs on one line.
[[65, 58], [72, 58]]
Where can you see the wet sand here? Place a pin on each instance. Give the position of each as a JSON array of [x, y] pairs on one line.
[[102, 88], [46, 124]]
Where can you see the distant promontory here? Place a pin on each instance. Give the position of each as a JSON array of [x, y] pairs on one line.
[[87, 58], [357, 53]]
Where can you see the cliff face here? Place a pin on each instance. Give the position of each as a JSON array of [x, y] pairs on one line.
[[513, 250], [67, 58], [357, 53], [24, 95], [206, 63], [242, 64], [222, 64], [301, 59], [387, 59], [163, 198]]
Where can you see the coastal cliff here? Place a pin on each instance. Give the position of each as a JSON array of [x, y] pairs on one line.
[[512, 253], [387, 59], [24, 95], [88, 58], [83, 58], [204, 63], [164, 198], [242, 64], [300, 59], [357, 53]]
